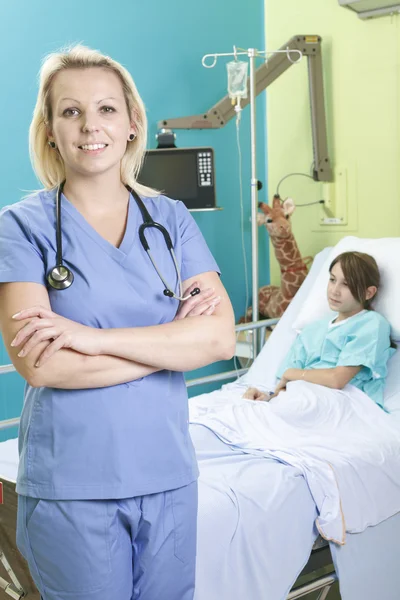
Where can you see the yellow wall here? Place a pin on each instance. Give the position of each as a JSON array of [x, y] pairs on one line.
[[362, 96]]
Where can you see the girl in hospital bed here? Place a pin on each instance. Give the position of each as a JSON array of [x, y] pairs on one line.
[[354, 347]]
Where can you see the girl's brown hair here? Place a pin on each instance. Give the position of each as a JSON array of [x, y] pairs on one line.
[[360, 272]]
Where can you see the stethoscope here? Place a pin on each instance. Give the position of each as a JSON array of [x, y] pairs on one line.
[[61, 277]]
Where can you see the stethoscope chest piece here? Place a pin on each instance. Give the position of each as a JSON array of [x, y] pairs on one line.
[[60, 278]]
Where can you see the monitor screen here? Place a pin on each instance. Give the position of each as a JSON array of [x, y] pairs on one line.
[[173, 174], [185, 174]]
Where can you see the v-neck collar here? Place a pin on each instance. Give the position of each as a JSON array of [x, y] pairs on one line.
[[120, 253]]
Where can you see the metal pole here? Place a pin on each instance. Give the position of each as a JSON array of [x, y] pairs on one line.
[[13, 577], [218, 377], [256, 325], [254, 195], [6, 369], [10, 590], [324, 594], [322, 166], [9, 423], [317, 584]]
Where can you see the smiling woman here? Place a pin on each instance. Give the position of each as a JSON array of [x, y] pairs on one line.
[[106, 409], [82, 80], [86, 125]]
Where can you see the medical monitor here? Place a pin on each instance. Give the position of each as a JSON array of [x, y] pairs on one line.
[[185, 174]]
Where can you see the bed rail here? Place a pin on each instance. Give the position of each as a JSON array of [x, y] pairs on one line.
[[14, 589], [323, 583], [261, 326], [9, 423]]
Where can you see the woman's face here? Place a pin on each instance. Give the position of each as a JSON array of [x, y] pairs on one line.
[[340, 298], [90, 124]]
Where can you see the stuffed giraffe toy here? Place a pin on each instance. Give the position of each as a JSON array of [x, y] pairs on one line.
[[274, 300]]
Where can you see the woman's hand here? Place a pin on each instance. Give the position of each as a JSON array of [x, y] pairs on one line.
[[200, 304], [280, 387], [64, 333], [255, 394]]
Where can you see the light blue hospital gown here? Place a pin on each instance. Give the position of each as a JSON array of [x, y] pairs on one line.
[[363, 339], [124, 440]]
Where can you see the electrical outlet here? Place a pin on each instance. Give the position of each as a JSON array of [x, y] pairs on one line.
[[334, 210], [328, 194]]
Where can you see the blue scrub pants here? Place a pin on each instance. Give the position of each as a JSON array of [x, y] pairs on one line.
[[141, 548]]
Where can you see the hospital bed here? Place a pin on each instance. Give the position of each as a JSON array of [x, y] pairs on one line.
[[256, 530], [256, 527]]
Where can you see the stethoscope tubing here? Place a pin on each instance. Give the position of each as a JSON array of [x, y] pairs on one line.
[[61, 277]]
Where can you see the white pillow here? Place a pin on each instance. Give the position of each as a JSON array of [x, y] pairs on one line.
[[262, 373], [386, 252]]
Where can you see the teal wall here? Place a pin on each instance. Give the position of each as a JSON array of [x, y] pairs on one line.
[[161, 43]]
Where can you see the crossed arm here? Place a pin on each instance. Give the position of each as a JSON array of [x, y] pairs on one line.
[[91, 357]]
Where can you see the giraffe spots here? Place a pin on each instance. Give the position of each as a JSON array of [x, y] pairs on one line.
[[290, 277], [288, 247], [283, 305], [302, 276], [290, 290]]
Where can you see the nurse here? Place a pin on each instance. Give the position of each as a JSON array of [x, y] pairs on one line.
[[107, 478]]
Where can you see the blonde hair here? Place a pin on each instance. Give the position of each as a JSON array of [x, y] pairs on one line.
[[47, 163]]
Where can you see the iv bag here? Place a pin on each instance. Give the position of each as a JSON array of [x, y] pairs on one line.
[[237, 78]]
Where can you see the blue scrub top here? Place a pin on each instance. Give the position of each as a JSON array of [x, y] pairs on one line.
[[124, 440], [363, 339]]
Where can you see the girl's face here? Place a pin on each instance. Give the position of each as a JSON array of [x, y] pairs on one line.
[[89, 109], [340, 298]]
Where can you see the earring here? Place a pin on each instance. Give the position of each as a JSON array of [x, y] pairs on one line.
[[52, 144], [132, 137]]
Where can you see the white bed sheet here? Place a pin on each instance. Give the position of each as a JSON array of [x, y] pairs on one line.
[[255, 523], [9, 460], [368, 564], [345, 445]]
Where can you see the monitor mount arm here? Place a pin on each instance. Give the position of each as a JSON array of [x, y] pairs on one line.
[[222, 112]]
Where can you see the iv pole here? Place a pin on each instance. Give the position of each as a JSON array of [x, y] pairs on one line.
[[254, 202], [223, 111], [252, 54]]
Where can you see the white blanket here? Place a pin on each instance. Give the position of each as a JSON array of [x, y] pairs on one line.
[[347, 448]]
